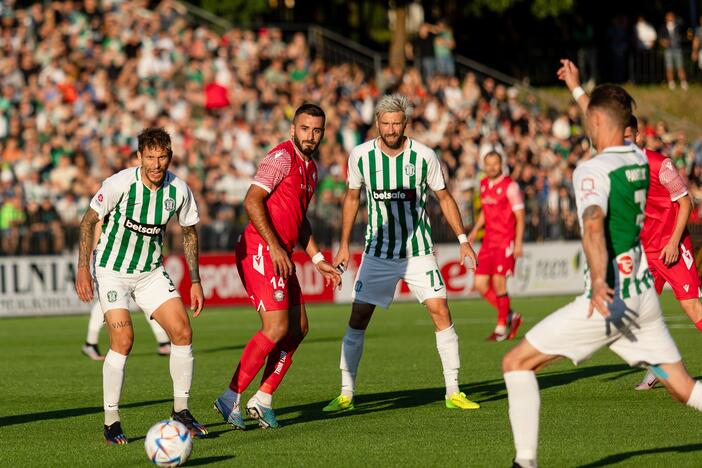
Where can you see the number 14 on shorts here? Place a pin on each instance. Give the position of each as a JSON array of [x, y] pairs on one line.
[[278, 283]]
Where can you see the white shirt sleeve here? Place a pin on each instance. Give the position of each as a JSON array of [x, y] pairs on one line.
[[591, 188], [105, 200], [355, 177], [435, 178], [188, 214]]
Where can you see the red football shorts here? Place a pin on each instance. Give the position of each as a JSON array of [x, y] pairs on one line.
[[495, 260], [682, 275], [266, 290]]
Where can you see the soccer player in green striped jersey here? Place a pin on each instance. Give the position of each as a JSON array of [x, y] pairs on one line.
[[398, 173], [610, 193], [136, 205]]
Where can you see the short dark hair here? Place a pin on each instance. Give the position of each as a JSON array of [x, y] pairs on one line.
[[310, 109], [154, 137], [615, 101], [633, 123]]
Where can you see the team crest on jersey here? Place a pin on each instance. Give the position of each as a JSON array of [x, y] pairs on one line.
[[112, 296], [169, 204], [409, 169], [279, 295], [499, 191]]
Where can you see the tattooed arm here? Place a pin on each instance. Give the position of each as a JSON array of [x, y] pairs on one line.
[[190, 246], [86, 243], [596, 253]]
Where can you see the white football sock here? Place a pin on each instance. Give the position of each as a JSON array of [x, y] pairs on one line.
[[351, 351], [265, 399], [447, 345], [524, 402], [112, 379], [97, 318], [181, 366], [695, 400], [159, 333], [500, 329]]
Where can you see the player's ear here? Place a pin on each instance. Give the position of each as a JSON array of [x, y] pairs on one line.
[[292, 129]]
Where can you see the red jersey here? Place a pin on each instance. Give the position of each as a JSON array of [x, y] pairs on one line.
[[291, 182], [665, 188], [500, 199]]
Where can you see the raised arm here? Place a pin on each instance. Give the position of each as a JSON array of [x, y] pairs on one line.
[[86, 243], [453, 217], [190, 248], [349, 210], [255, 207], [596, 254], [570, 74]]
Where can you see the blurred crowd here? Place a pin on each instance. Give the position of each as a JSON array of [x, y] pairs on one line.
[[80, 80]]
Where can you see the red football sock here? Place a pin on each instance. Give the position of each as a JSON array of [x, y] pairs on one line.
[[491, 297], [279, 361], [252, 360], [698, 324], [502, 309]]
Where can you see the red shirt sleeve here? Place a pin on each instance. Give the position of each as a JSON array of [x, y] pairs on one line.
[[671, 180], [514, 195], [272, 170]]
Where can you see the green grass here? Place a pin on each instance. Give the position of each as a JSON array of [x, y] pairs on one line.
[[51, 400]]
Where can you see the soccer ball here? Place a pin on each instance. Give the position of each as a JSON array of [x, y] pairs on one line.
[[168, 443]]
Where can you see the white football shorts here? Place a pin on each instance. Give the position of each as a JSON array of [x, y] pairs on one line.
[[636, 331], [377, 279], [149, 289]]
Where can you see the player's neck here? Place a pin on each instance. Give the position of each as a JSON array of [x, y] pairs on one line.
[[392, 151], [615, 138]]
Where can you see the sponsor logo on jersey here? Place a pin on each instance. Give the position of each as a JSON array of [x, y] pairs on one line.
[[150, 230], [625, 264], [686, 287], [401, 195], [112, 296], [357, 287], [409, 169], [169, 204]]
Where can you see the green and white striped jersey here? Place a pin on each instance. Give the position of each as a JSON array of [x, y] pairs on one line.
[[135, 217], [617, 180], [396, 188]]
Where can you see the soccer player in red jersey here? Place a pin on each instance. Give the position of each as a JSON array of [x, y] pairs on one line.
[[664, 236], [276, 203], [503, 218]]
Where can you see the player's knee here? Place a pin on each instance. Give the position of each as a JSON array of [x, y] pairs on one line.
[[276, 332], [512, 361], [182, 335], [122, 342]]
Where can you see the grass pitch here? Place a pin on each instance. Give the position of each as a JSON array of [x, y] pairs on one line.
[[51, 397]]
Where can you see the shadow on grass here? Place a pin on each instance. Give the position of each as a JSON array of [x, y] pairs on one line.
[[208, 460], [489, 390], [620, 457], [67, 413]]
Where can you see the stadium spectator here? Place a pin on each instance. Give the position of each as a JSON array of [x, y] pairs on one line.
[[77, 87], [671, 35]]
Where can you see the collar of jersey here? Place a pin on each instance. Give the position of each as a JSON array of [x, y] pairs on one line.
[[625, 148], [491, 184], [163, 183]]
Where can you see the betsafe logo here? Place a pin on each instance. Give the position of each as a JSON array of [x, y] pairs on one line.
[[399, 195], [143, 229]]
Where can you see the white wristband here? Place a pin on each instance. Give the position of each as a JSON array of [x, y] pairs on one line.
[[462, 238], [318, 257], [577, 92]]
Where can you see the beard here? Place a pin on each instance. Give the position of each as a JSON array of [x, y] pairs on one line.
[[396, 145], [309, 152]]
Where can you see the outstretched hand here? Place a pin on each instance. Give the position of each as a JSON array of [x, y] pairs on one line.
[[569, 73], [331, 275]]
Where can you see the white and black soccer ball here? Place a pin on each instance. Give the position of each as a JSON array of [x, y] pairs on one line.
[[168, 443]]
